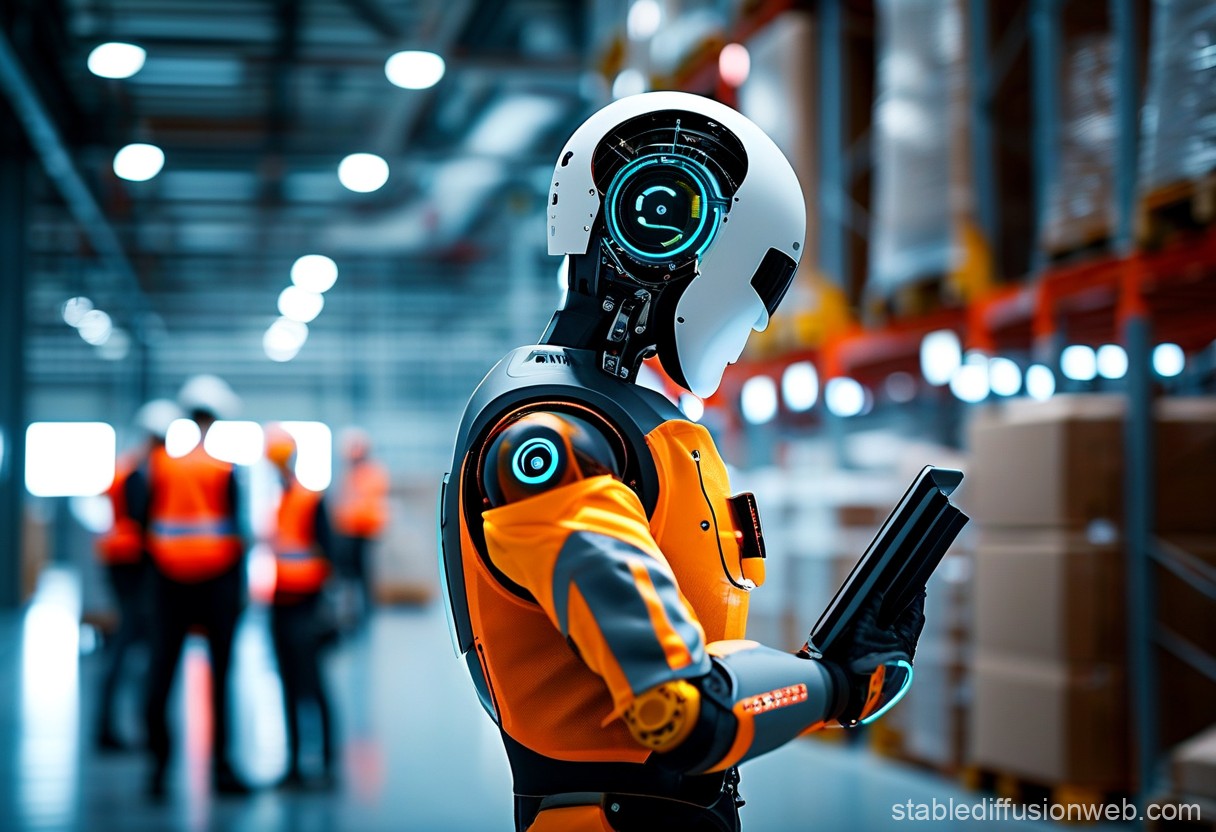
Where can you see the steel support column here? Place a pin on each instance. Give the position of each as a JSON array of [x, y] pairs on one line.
[[833, 170], [13, 195], [1045, 58], [983, 157]]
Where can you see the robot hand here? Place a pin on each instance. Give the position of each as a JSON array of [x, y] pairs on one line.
[[877, 660]]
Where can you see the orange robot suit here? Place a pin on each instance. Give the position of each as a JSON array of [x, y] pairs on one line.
[[601, 597]]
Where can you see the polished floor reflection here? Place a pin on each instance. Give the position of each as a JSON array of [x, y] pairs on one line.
[[417, 753]]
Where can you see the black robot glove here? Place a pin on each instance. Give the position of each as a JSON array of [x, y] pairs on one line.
[[877, 659]]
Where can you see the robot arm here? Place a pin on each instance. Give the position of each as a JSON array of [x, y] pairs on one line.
[[578, 540]]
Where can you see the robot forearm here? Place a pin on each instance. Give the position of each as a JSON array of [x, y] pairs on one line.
[[754, 700]]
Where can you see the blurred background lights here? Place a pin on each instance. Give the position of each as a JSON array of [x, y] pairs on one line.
[[1168, 360], [692, 407], [1040, 382], [116, 347], [628, 82], [900, 387], [1112, 361], [414, 69], [844, 396], [300, 304], [800, 386], [314, 453], [95, 327], [74, 309], [970, 382], [314, 273], [182, 437], [69, 459], [1004, 376], [644, 19], [238, 442], [940, 356], [284, 338], [734, 64], [758, 400], [138, 162], [1079, 362], [116, 60], [363, 172]]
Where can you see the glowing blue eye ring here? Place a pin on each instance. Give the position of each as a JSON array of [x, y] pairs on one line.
[[709, 193], [521, 455]]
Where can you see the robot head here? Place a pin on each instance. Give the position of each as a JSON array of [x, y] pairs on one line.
[[683, 224]]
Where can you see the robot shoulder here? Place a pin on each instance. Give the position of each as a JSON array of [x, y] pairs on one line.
[[540, 451]]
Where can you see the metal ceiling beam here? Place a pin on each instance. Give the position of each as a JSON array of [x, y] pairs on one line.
[[375, 17], [44, 137]]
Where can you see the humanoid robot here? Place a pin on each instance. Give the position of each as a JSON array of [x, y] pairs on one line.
[[596, 565]]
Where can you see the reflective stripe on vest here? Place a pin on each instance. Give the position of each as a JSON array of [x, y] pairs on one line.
[[298, 569]]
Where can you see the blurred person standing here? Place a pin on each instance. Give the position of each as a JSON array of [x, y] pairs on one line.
[[302, 546], [196, 548], [122, 552], [361, 513]]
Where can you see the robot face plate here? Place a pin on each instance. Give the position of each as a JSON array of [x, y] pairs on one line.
[[663, 208]]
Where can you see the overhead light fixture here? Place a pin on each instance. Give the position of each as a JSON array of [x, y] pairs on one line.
[[1168, 360], [940, 356], [95, 327], [116, 347], [734, 64], [1079, 362], [1112, 361], [69, 459], [138, 162], [414, 69], [300, 304], [643, 19], [758, 400], [363, 172], [970, 382], [314, 273], [1004, 376], [844, 397], [628, 82], [1040, 382], [284, 338], [234, 441], [74, 309], [800, 386], [116, 60]]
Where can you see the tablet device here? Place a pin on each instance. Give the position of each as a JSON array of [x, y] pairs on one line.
[[899, 560]]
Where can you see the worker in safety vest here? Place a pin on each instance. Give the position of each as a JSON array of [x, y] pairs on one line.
[[197, 551], [301, 544], [597, 567], [361, 512], [121, 552]]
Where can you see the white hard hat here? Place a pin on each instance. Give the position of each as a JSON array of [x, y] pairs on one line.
[[210, 394], [155, 417]]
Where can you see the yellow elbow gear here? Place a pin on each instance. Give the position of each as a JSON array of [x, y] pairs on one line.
[[664, 716]]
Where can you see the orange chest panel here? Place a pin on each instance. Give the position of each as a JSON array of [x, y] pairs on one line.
[[695, 526]]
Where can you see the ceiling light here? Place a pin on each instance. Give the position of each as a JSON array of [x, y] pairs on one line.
[[284, 338], [1168, 360], [940, 356], [758, 400], [1005, 376], [95, 327], [116, 60], [300, 304], [643, 19], [734, 64], [138, 162], [628, 82], [800, 386], [970, 383], [75, 308], [1112, 361], [314, 273], [363, 172], [1078, 362], [414, 70], [844, 397], [116, 347], [1040, 382]]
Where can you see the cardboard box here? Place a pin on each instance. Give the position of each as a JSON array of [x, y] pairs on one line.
[[1194, 765], [1059, 463], [1049, 723], [1050, 594]]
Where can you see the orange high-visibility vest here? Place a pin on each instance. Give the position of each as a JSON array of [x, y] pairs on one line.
[[192, 530], [362, 509], [124, 542], [299, 569]]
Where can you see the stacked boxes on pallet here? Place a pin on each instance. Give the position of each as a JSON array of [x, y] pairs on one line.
[[1050, 684]]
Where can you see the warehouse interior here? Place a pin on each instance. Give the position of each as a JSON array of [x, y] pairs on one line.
[[338, 208]]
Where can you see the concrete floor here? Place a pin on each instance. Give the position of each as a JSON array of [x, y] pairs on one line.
[[417, 752]]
